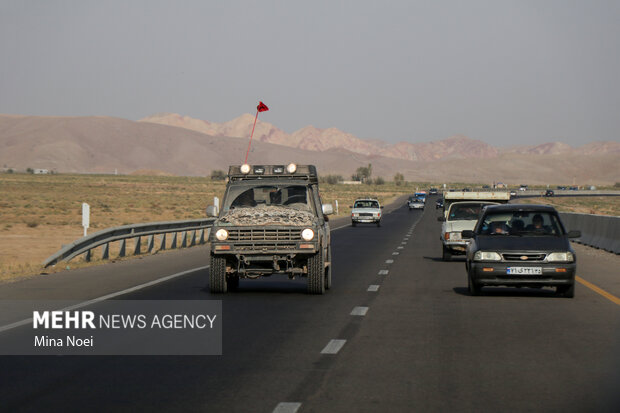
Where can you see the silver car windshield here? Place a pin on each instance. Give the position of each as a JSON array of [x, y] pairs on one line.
[[366, 204]]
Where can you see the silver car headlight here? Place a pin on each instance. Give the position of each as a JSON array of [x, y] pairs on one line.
[[560, 257], [221, 234], [307, 234], [487, 256]]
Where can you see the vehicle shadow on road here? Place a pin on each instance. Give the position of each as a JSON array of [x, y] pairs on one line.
[[266, 286], [508, 292], [439, 259]]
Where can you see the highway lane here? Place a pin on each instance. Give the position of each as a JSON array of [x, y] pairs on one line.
[[423, 345]]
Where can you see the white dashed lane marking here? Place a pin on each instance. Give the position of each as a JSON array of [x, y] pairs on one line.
[[287, 407], [395, 253], [359, 311], [333, 347], [383, 272], [389, 261], [373, 288]]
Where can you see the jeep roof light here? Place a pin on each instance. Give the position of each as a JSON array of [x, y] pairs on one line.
[[246, 172]]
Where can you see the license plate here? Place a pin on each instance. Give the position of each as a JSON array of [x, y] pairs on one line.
[[524, 270], [365, 220]]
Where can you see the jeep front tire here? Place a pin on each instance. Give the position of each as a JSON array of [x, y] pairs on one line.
[[217, 275], [316, 274]]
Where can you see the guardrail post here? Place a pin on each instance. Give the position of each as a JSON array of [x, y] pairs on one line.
[[121, 251], [162, 244], [105, 251], [173, 244], [192, 239], [87, 256], [137, 246], [149, 243], [201, 240], [183, 239]]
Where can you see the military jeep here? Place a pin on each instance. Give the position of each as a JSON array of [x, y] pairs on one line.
[[271, 221]]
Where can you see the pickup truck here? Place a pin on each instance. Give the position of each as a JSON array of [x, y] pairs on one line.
[[461, 212]]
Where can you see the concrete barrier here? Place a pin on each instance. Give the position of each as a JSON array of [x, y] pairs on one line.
[[599, 231]]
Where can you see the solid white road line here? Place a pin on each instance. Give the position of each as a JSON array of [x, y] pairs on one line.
[[361, 311], [287, 407], [333, 347], [373, 288], [108, 296]]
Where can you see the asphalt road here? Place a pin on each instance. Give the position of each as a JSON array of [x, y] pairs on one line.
[[423, 344]]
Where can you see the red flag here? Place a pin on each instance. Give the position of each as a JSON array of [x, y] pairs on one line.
[[262, 107]]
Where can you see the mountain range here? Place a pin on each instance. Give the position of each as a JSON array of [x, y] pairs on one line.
[[180, 145], [315, 139]]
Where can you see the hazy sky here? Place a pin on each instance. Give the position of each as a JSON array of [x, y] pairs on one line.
[[505, 72]]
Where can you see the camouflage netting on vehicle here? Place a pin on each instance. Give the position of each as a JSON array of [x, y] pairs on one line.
[[268, 215]]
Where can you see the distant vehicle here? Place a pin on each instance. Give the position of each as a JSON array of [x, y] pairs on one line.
[[549, 192], [486, 187], [439, 203], [513, 193], [461, 211], [523, 188], [562, 188], [415, 203], [466, 190], [432, 191], [521, 246], [421, 196], [366, 211], [573, 188]]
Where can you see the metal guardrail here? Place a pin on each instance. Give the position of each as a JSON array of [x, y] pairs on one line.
[[84, 245]]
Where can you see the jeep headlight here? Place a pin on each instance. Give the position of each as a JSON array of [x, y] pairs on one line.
[[221, 234], [307, 234], [487, 256], [560, 257]]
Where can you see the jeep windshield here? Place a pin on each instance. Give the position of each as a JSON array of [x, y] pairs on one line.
[[290, 196]]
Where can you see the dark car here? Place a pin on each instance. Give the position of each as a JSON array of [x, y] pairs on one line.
[[432, 191], [439, 203], [521, 246], [549, 192]]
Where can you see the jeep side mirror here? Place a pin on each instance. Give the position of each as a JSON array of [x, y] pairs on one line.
[[211, 211], [441, 218], [328, 209], [468, 233], [574, 234]]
